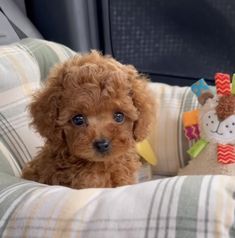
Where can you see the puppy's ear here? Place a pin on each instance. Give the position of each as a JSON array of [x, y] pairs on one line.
[[44, 109], [144, 101]]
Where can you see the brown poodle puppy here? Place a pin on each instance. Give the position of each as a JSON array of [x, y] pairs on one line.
[[91, 112]]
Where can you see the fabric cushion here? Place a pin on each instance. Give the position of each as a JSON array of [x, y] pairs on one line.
[[193, 206], [23, 66], [167, 139]]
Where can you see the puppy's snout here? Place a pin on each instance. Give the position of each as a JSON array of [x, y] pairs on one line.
[[102, 145]]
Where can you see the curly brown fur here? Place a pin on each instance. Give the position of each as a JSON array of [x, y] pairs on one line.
[[96, 87], [225, 107]]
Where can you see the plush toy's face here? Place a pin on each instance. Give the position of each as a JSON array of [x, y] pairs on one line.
[[220, 131], [213, 128]]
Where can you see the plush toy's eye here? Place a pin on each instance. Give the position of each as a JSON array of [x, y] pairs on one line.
[[119, 117], [79, 120]]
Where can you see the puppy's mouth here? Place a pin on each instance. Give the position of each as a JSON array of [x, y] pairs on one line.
[[101, 151], [98, 157], [101, 157]]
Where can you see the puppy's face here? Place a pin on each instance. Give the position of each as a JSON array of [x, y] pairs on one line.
[[94, 106], [98, 123]]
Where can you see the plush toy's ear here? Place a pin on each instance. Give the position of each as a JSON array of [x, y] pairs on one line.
[[144, 101], [204, 97]]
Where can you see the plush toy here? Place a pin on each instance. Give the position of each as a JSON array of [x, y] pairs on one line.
[[212, 126]]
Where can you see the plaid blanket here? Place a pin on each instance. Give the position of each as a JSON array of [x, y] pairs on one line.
[[183, 207]]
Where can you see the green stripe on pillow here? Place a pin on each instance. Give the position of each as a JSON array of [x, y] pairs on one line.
[[45, 53], [45, 56], [8, 163], [4, 164], [186, 221]]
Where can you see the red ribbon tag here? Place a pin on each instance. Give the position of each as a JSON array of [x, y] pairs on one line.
[[192, 132], [226, 154], [222, 82]]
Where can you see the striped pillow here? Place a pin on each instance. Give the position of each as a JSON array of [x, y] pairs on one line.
[[168, 140], [23, 66], [183, 206]]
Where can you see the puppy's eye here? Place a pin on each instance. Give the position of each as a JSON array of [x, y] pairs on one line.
[[79, 120], [119, 117]]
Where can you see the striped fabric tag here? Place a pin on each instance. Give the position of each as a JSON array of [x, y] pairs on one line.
[[192, 132], [226, 154], [191, 118], [199, 87], [222, 82]]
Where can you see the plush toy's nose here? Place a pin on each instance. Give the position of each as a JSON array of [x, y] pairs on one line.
[[102, 145]]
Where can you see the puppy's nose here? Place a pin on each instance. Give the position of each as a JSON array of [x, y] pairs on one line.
[[102, 145]]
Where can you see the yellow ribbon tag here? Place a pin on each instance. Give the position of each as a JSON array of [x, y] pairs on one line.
[[233, 85], [145, 150]]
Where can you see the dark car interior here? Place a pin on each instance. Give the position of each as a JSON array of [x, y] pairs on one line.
[[173, 42]]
